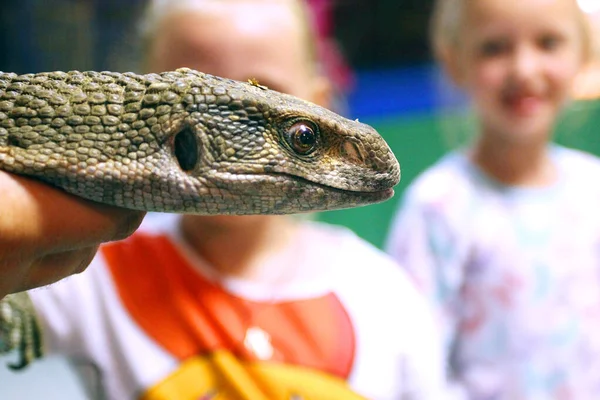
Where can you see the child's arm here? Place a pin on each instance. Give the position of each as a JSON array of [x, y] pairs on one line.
[[424, 370], [423, 242]]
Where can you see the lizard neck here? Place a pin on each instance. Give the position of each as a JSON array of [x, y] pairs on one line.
[[237, 246]]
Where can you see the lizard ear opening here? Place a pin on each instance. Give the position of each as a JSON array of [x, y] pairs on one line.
[[186, 149]]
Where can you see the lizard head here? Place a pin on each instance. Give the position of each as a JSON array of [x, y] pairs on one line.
[[188, 142], [248, 142]]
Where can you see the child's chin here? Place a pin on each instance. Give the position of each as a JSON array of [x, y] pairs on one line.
[[528, 133]]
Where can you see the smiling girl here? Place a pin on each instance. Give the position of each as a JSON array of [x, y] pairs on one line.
[[504, 236]]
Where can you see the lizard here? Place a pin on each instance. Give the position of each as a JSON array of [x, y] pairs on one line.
[[180, 141], [187, 142]]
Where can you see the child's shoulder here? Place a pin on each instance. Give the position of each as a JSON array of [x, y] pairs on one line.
[[576, 160], [448, 178], [579, 170]]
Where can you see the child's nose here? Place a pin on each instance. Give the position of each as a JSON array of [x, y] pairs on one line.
[[526, 62]]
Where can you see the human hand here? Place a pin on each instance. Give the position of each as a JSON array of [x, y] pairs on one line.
[[47, 234]]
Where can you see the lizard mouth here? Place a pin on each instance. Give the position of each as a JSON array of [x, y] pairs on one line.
[[297, 186], [359, 197], [366, 197]]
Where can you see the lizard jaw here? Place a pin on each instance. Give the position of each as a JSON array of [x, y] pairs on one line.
[[329, 198]]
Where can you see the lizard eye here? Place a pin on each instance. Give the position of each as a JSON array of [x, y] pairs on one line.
[[302, 137]]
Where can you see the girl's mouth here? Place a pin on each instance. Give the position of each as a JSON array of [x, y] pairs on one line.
[[523, 105]]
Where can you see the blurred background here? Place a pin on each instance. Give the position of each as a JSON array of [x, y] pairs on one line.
[[376, 51]]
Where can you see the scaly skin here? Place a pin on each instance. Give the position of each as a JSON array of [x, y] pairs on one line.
[[188, 142], [19, 329]]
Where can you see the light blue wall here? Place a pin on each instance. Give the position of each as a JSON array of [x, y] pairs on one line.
[[49, 379]]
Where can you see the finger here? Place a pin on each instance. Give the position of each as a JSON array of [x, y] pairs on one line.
[[54, 267], [58, 221]]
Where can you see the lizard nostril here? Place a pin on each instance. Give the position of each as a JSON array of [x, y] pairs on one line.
[[186, 149], [352, 152]]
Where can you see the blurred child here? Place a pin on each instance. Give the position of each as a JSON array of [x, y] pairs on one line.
[[257, 307], [504, 236]]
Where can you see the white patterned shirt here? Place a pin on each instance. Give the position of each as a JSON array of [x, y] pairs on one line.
[[514, 273]]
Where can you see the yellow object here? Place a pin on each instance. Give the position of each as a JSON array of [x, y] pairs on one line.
[[221, 376]]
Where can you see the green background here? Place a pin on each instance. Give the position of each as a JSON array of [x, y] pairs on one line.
[[418, 141]]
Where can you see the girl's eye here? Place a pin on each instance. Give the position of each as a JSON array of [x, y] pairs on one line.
[[492, 48], [549, 42]]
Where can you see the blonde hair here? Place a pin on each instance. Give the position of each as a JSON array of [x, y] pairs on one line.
[[444, 26], [158, 10], [446, 22]]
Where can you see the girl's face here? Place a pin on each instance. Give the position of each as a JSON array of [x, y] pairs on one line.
[[517, 59]]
